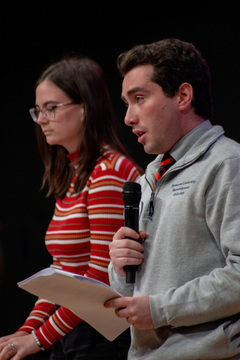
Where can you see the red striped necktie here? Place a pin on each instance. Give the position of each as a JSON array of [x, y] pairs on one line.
[[166, 163]]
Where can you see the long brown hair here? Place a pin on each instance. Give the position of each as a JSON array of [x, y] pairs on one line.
[[83, 81]]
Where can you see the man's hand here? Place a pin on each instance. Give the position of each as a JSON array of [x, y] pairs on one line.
[[136, 310], [125, 251]]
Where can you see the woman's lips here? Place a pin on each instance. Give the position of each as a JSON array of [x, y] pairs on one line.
[[46, 132]]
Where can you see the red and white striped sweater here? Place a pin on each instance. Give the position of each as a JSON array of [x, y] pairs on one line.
[[78, 237]]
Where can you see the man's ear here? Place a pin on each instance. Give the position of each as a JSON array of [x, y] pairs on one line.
[[185, 96]]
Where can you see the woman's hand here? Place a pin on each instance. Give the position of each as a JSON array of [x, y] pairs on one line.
[[17, 346]]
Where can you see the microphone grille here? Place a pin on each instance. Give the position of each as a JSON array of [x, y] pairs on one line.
[[131, 193]]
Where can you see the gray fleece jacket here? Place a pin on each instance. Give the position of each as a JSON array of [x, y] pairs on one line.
[[191, 267]]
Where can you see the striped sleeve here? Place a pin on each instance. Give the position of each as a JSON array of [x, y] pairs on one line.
[[58, 325], [40, 313]]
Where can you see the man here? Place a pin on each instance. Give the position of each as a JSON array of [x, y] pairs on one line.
[[185, 303]]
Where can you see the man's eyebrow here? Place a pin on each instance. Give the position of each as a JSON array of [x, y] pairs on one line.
[[132, 91]]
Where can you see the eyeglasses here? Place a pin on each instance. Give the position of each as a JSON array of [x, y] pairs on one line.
[[49, 111]]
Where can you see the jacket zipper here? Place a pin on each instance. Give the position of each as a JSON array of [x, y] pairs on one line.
[[151, 204]]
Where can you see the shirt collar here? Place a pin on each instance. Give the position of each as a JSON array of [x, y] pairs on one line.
[[72, 157], [185, 143]]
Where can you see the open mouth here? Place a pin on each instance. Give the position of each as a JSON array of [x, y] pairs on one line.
[[140, 135]]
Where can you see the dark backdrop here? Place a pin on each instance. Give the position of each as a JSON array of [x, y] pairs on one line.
[[33, 33]]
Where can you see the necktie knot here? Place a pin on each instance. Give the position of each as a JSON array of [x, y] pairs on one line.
[[166, 163]]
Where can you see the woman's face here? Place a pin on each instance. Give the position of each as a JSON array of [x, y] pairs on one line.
[[66, 127]]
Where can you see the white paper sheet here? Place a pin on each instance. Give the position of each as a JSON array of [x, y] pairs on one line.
[[82, 295]]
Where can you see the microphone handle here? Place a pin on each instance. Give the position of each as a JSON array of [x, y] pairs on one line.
[[131, 214]]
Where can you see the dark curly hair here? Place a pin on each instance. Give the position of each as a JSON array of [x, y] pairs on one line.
[[174, 62]]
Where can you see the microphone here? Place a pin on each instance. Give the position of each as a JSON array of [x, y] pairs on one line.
[[131, 197]]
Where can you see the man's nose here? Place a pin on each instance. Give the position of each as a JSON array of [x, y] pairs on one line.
[[130, 117]]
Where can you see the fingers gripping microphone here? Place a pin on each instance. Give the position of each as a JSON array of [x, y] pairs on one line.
[[131, 198]]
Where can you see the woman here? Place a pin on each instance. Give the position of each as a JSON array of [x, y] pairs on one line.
[[85, 167]]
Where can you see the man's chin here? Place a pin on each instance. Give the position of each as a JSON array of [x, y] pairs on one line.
[[149, 151]]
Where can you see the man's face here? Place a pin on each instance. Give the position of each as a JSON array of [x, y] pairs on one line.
[[154, 117]]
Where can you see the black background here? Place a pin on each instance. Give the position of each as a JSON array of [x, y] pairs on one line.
[[34, 33]]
